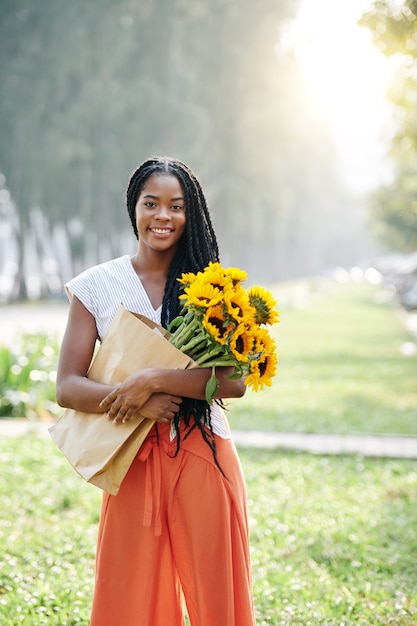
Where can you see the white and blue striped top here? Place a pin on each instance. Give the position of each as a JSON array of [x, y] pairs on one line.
[[102, 288]]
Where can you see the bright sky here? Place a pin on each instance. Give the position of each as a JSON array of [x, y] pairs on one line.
[[347, 77]]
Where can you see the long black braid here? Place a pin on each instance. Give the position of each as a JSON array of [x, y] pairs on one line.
[[197, 246]]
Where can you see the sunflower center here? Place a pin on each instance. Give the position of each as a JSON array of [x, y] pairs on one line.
[[262, 367], [219, 324], [240, 345]]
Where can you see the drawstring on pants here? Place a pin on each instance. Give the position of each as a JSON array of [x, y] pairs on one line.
[[150, 453]]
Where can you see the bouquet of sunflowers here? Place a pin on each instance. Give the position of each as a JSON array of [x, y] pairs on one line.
[[223, 324]]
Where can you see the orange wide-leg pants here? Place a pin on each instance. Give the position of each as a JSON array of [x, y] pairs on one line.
[[176, 530]]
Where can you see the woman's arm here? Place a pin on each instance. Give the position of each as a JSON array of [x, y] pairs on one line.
[[74, 390], [120, 402]]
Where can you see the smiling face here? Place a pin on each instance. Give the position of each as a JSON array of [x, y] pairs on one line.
[[160, 212]]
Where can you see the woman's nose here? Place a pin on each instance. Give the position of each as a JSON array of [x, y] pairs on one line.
[[163, 213]]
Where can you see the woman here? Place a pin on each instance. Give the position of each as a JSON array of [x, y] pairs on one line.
[[177, 529]]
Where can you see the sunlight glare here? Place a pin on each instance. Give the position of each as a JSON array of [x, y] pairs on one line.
[[347, 78]]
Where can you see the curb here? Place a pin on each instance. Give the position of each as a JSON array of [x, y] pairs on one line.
[[388, 446]]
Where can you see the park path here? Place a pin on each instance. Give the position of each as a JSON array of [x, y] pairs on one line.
[[390, 446]]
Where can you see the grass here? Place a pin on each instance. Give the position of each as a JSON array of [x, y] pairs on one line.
[[341, 369], [333, 538]]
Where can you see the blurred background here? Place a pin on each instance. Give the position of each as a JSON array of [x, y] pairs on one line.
[[298, 116]]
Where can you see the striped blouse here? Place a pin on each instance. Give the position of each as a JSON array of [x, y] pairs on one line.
[[102, 289]]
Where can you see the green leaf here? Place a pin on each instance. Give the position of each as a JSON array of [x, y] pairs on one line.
[[237, 373], [212, 387], [175, 323]]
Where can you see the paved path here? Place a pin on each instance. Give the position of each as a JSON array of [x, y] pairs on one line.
[[366, 445], [16, 319]]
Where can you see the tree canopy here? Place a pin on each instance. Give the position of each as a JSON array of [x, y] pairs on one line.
[[90, 89], [394, 28]]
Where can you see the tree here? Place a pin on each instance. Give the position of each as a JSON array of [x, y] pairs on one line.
[[394, 28]]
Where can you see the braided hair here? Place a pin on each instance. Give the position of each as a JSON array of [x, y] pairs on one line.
[[198, 244], [196, 247]]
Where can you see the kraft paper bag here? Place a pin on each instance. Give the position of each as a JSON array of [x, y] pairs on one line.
[[100, 451]]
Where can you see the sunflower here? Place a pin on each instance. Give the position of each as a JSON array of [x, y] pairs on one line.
[[241, 343], [264, 304], [238, 305], [262, 371], [236, 275], [232, 274], [187, 278], [201, 295], [217, 280], [264, 343], [215, 322]]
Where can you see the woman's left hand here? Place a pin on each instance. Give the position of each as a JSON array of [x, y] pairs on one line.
[[127, 399]]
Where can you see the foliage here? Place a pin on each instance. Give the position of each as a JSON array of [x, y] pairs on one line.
[[27, 377], [333, 539], [341, 368], [394, 28], [90, 90]]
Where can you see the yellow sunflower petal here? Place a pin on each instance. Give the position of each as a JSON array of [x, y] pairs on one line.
[[201, 295], [187, 278], [217, 279], [236, 275]]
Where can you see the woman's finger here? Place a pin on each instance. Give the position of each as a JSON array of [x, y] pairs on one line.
[[108, 400]]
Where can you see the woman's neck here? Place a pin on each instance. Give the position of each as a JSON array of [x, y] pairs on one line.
[[153, 272]]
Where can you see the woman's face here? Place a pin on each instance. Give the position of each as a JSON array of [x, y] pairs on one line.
[[160, 212]]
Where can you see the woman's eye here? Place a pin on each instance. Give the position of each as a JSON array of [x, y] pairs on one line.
[[177, 207], [150, 204]]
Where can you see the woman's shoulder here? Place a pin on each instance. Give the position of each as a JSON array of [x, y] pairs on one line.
[[117, 265], [120, 264]]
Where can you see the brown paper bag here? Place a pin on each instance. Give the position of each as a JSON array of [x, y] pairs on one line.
[[100, 451]]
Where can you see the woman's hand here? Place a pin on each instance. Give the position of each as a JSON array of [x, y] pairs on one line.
[[134, 396], [161, 407]]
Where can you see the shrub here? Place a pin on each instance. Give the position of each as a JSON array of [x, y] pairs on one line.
[[27, 377]]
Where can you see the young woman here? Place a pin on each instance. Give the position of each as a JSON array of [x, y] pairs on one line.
[[178, 527]]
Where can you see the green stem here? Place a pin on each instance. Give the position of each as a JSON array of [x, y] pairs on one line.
[[184, 332], [216, 363], [198, 349], [216, 353], [193, 343]]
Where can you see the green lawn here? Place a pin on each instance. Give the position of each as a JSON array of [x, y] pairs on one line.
[[333, 539], [341, 369]]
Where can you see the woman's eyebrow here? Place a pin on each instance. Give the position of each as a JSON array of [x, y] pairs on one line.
[[150, 195]]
